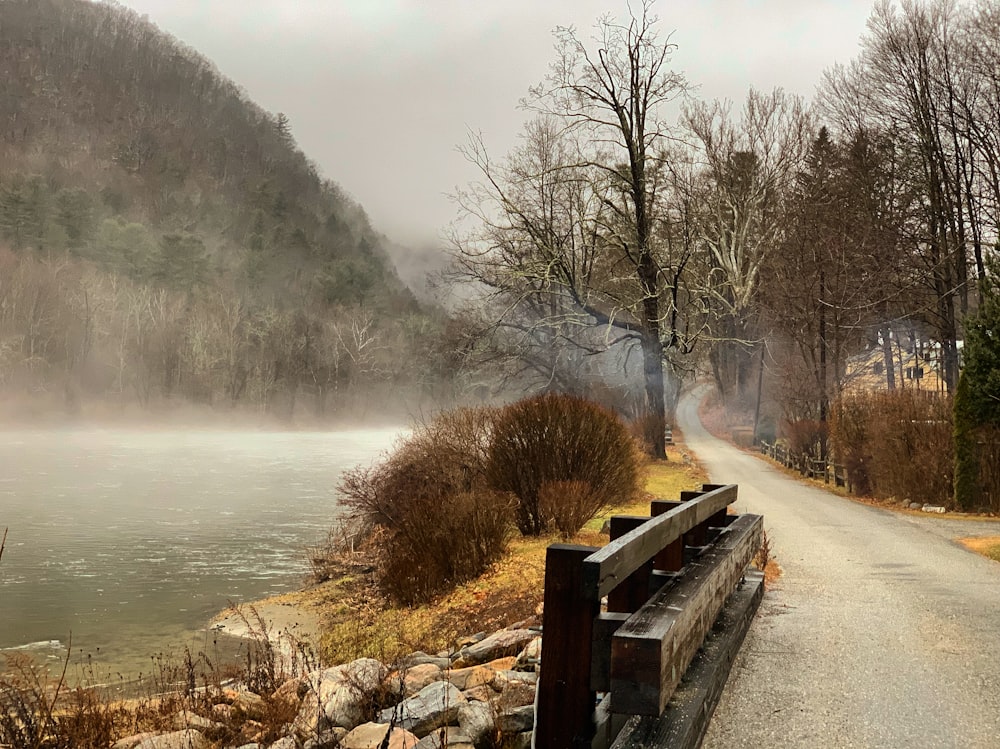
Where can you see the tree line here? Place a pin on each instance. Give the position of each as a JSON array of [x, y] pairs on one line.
[[162, 237], [638, 226]]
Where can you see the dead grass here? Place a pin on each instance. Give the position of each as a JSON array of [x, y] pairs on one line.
[[359, 622], [988, 546]]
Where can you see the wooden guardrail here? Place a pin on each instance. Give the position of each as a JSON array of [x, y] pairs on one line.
[[808, 466], [608, 675]]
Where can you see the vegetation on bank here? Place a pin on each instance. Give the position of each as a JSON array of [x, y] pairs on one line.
[[363, 621], [442, 507]]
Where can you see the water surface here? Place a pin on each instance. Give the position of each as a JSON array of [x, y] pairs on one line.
[[128, 542]]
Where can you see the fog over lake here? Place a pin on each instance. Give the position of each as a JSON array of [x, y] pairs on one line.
[[130, 541]]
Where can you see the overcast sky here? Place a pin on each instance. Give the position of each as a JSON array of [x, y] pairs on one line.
[[380, 92]]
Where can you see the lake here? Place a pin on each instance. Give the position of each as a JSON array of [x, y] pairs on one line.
[[128, 542]]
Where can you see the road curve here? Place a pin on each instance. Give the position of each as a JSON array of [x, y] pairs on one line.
[[881, 632]]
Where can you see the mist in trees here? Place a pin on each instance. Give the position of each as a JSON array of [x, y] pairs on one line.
[[164, 241], [802, 247]]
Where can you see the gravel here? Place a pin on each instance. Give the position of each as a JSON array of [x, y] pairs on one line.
[[881, 632]]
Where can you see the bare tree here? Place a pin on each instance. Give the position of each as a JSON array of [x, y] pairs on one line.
[[749, 165], [568, 223]]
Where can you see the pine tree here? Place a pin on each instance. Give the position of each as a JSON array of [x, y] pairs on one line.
[[977, 398]]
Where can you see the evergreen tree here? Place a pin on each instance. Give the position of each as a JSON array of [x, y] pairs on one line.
[[977, 398]]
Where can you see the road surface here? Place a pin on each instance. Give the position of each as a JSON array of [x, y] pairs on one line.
[[881, 632]]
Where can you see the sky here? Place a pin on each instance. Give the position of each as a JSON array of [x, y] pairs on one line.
[[380, 93]]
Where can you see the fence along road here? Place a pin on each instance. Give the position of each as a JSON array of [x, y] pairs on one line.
[[880, 632]]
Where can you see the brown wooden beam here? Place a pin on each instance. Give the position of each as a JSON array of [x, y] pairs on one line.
[[651, 651]]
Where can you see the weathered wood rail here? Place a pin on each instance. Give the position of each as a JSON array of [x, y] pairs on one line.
[[806, 465], [608, 676]]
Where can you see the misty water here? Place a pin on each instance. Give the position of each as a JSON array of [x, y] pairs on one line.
[[128, 542]]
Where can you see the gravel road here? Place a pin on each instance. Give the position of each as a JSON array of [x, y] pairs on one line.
[[881, 632]]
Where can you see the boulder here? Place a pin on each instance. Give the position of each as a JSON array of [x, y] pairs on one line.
[[418, 677], [433, 706], [286, 743], [419, 658], [371, 736], [480, 694], [471, 677], [477, 720], [186, 739], [187, 719], [130, 742], [498, 645], [451, 737], [517, 720], [327, 740]]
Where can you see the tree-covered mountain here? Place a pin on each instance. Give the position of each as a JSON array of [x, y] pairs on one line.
[[162, 237]]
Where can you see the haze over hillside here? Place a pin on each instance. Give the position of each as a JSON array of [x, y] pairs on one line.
[[163, 238]]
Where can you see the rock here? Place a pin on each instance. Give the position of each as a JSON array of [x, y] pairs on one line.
[[187, 719], [248, 702], [517, 694], [130, 742], [528, 658], [915, 505], [327, 740], [223, 711], [371, 736], [933, 508], [418, 677], [293, 689], [507, 677], [499, 644], [471, 677], [471, 640], [441, 660], [521, 741], [480, 694], [338, 696], [286, 743], [477, 720], [451, 737], [434, 706], [517, 720], [187, 739], [311, 719], [503, 664], [251, 745]]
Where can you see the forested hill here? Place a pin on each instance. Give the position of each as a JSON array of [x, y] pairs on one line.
[[162, 237]]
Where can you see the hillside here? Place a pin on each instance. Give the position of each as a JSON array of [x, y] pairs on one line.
[[162, 238]]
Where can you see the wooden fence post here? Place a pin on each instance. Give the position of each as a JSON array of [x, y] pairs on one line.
[[565, 705], [633, 591]]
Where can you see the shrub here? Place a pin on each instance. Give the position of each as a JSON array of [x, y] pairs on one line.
[[429, 516], [555, 439], [806, 437], [897, 444], [849, 435]]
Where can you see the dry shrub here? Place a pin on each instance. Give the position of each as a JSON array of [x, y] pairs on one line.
[[849, 434], [560, 438], [897, 444], [568, 505], [806, 437], [430, 518]]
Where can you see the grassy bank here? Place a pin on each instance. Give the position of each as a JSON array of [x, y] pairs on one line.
[[356, 621]]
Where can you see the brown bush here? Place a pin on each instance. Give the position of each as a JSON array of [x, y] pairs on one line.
[[897, 444], [806, 437], [559, 438], [430, 517], [567, 505], [849, 434]]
